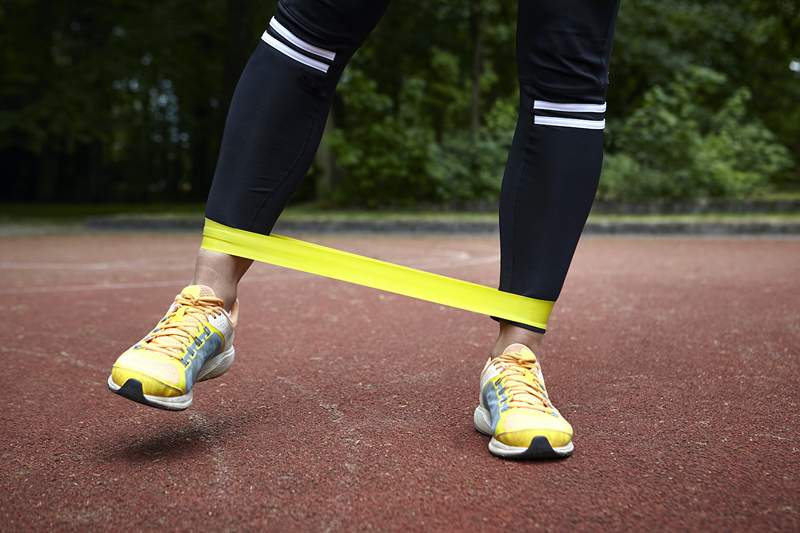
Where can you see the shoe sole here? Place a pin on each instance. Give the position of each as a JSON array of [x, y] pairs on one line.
[[132, 388], [539, 448]]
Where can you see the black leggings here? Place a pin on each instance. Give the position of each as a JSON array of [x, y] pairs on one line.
[[281, 103]]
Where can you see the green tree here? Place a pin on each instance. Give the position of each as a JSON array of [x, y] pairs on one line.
[[692, 137], [122, 100]]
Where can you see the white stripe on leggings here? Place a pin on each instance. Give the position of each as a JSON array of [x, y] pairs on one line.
[[294, 54], [300, 43], [576, 108], [569, 122]]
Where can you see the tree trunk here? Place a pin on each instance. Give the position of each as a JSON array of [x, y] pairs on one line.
[[476, 29], [47, 177], [239, 18], [326, 163]]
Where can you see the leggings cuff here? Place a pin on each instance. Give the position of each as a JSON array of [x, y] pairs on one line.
[[519, 325]]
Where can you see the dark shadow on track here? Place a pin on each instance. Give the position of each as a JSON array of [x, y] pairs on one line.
[[190, 436]]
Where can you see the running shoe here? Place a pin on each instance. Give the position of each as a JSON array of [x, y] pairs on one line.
[[516, 412], [192, 343]]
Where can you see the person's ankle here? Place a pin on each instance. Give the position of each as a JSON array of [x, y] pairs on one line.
[[220, 272], [510, 334]]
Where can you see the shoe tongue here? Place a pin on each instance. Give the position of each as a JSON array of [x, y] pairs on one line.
[[191, 291], [198, 291], [521, 351]]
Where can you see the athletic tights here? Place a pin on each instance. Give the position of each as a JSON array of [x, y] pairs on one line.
[[278, 113]]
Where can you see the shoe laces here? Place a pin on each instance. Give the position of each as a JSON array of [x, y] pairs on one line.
[[520, 376], [180, 327]]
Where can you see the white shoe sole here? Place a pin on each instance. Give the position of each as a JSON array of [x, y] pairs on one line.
[[213, 368], [539, 448]]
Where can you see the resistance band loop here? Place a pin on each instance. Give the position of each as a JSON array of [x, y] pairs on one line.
[[320, 260]]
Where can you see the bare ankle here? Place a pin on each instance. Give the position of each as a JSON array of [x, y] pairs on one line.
[[221, 272], [510, 334]]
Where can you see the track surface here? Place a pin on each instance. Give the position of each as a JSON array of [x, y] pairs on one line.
[[677, 361]]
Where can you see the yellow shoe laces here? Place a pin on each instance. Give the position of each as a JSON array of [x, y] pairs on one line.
[[519, 374], [180, 327]]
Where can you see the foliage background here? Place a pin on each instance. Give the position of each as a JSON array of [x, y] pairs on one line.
[[122, 100]]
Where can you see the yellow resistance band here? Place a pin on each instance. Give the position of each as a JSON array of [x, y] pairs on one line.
[[344, 266]]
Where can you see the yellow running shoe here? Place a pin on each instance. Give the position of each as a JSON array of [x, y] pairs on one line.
[[516, 412], [192, 343]]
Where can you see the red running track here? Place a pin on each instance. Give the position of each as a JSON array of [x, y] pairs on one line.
[[676, 360]]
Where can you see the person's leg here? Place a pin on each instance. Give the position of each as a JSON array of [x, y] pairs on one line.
[[549, 184], [551, 177], [274, 126], [276, 119], [220, 272]]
